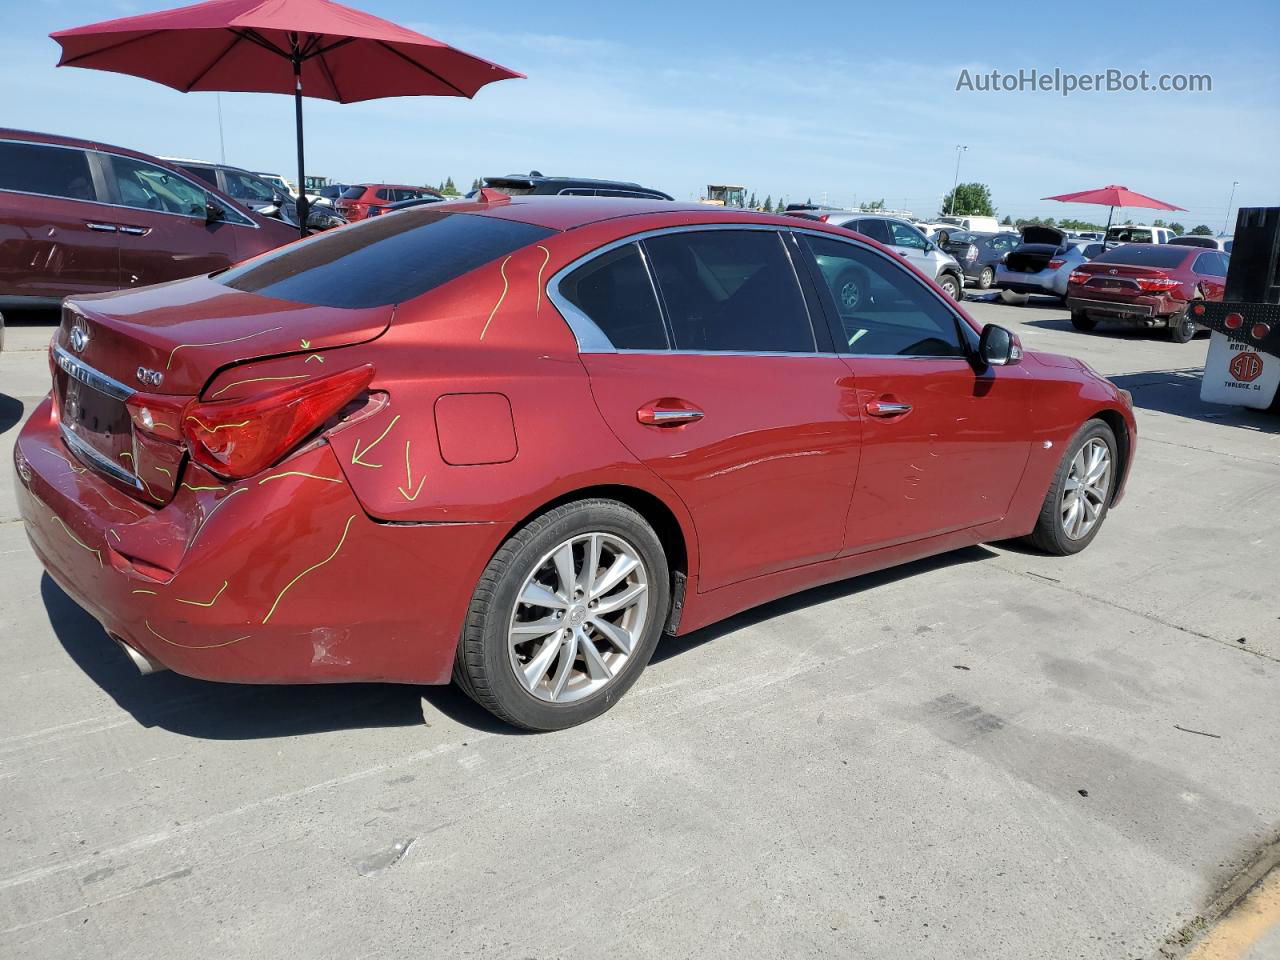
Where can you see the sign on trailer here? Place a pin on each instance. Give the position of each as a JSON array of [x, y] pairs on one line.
[[1235, 373]]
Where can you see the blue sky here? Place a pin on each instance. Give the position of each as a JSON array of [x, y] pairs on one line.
[[834, 99]]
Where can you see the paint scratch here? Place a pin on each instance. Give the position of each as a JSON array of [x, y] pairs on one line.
[[298, 473], [191, 646], [78, 541], [240, 383], [217, 343], [197, 603]]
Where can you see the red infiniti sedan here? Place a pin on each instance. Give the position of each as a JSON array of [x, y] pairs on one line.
[[514, 441]]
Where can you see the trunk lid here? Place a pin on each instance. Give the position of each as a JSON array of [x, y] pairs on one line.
[[112, 352], [1035, 233]]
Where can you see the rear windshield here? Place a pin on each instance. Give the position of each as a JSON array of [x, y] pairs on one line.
[[384, 260], [1139, 255], [961, 237], [351, 193]]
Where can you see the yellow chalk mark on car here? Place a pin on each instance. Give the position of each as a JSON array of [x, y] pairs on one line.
[[222, 426], [77, 540], [240, 383], [314, 356], [315, 566], [304, 344], [151, 592], [408, 476], [298, 473], [357, 453], [198, 489], [116, 535], [218, 343], [128, 456], [502, 269], [209, 515], [546, 258], [191, 646], [165, 472], [74, 468], [197, 603]]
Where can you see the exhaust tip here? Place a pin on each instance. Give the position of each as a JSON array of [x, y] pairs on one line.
[[140, 660]]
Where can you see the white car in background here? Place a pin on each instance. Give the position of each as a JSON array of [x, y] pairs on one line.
[[1138, 233], [973, 224]]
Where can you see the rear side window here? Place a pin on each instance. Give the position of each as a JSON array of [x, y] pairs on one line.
[[52, 171], [1211, 264], [383, 260], [353, 193], [731, 290], [1155, 255], [615, 292], [884, 310], [877, 230]]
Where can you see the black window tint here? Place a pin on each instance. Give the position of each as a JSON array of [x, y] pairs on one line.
[[615, 292], [1211, 264], [53, 171], [1146, 255], [353, 193], [384, 195], [207, 174], [883, 308], [731, 290], [382, 260], [877, 230], [148, 187]]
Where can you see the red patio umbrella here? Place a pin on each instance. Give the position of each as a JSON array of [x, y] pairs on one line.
[[1114, 196], [313, 48]]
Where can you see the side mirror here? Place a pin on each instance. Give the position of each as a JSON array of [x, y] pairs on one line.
[[213, 212], [999, 347]]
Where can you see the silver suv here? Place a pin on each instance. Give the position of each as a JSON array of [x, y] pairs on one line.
[[903, 239]]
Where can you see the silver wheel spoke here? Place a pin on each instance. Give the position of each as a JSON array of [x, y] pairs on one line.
[[596, 667], [536, 595], [619, 637], [563, 559], [590, 563], [568, 654], [620, 600], [620, 570], [537, 668], [531, 630]]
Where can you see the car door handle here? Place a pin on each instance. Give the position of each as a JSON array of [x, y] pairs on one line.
[[887, 408], [135, 231], [668, 413], [101, 227]]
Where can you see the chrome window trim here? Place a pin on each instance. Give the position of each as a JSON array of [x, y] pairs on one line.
[[243, 221], [591, 339], [77, 369]]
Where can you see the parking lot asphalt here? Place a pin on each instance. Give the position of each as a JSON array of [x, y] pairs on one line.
[[990, 754]]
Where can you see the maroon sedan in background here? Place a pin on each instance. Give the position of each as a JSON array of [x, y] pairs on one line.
[[80, 217], [1148, 283], [358, 201]]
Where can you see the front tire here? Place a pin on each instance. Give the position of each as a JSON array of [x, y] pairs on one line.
[[950, 285], [1079, 495], [565, 617]]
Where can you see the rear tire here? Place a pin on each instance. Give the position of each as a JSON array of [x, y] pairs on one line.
[[1079, 495], [986, 277], [1082, 321], [1182, 329], [549, 678], [951, 286]]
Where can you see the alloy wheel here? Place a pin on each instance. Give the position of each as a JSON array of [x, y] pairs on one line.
[[1084, 494], [578, 617], [850, 295]]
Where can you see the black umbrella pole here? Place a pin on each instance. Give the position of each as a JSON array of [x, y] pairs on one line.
[[302, 177]]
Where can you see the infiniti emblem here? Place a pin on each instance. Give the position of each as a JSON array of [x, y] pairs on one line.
[[79, 339], [1112, 272]]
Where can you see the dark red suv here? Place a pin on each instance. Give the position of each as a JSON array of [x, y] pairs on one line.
[[357, 201], [79, 217]]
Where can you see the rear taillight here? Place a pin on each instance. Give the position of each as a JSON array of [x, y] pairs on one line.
[[1156, 284], [971, 252], [238, 438], [1078, 276], [825, 217], [158, 415], [1055, 263]]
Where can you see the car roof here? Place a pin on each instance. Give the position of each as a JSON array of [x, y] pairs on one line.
[[531, 179], [568, 213]]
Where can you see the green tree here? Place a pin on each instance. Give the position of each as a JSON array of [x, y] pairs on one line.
[[969, 199], [1158, 223], [871, 206], [475, 184], [1177, 228], [768, 204], [752, 202], [1200, 230], [1007, 221], [449, 189]]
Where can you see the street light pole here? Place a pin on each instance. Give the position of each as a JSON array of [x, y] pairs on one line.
[[1226, 220], [960, 149]]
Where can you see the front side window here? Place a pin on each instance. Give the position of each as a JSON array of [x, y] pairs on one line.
[[907, 236], [614, 291], [51, 171], [884, 309], [730, 290], [382, 260], [148, 187]]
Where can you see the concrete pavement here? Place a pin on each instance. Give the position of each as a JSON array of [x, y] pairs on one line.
[[975, 756]]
